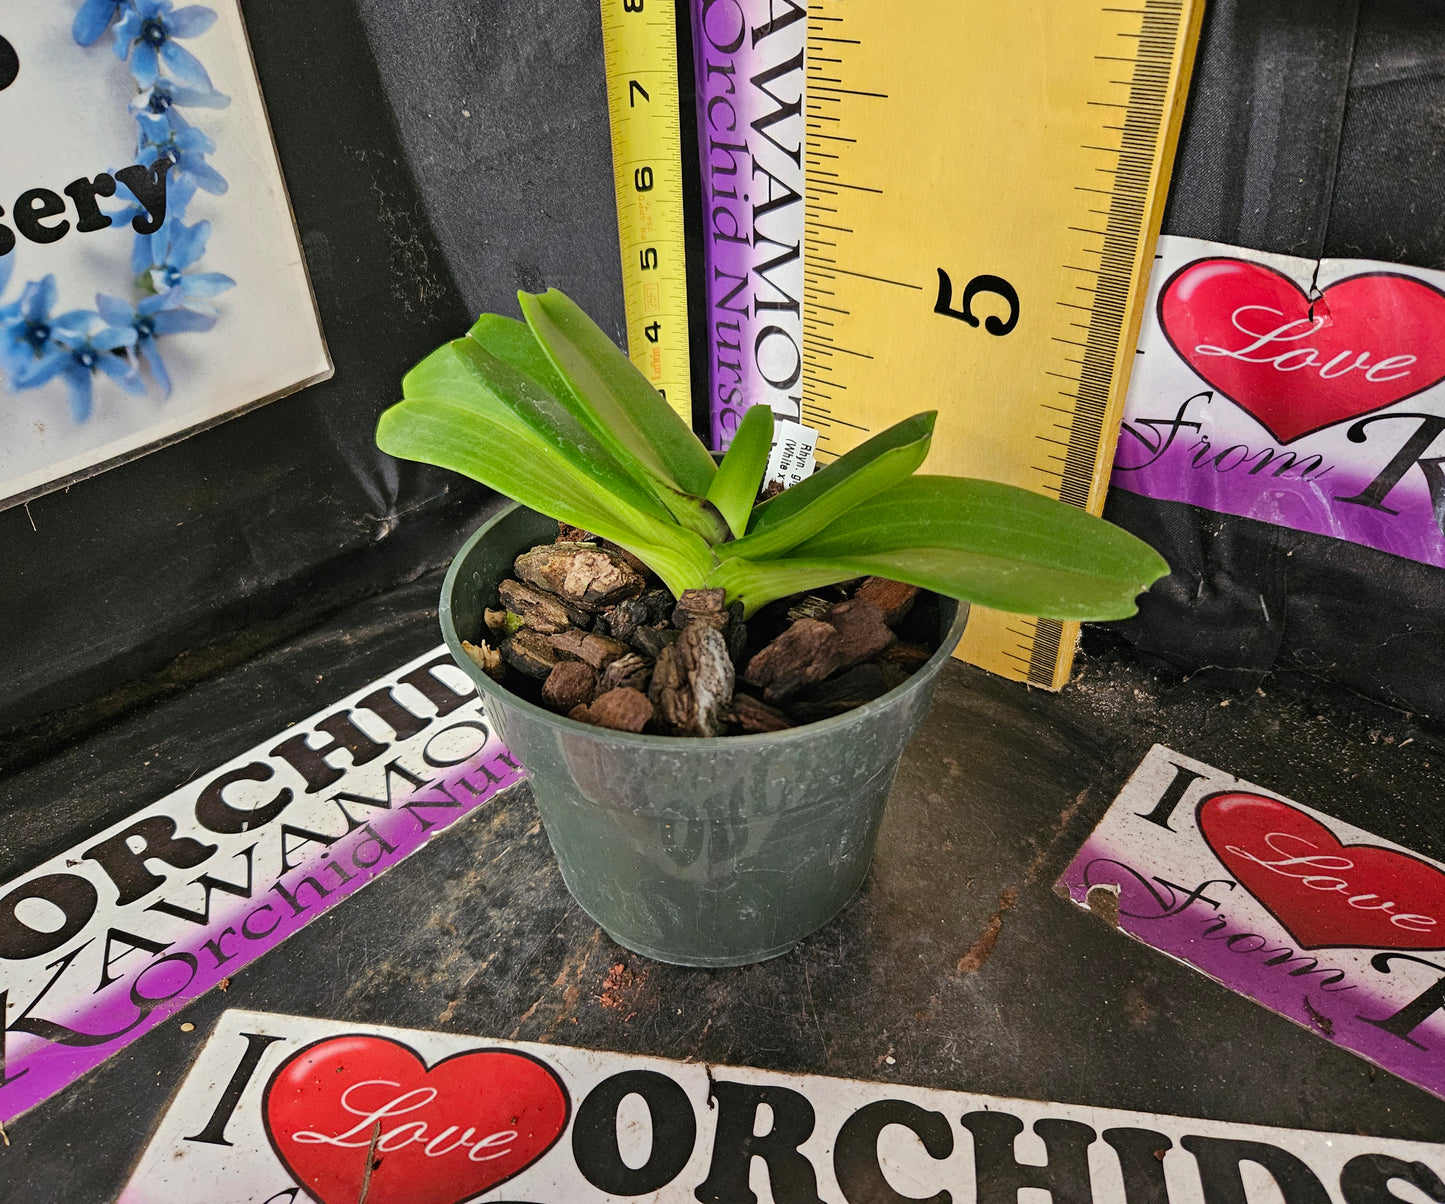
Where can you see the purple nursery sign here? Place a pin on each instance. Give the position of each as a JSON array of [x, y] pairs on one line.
[[114, 936], [751, 85], [1330, 926], [1299, 392]]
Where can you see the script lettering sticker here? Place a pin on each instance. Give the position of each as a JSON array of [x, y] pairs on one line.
[[283, 1110], [751, 88], [1324, 923], [114, 936], [1299, 392]]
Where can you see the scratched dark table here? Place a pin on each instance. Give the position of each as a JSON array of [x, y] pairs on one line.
[[931, 977]]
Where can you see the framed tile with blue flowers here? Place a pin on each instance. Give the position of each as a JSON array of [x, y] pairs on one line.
[[151, 278]]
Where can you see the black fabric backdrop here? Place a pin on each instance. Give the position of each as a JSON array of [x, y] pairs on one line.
[[441, 154], [413, 217], [1314, 128]]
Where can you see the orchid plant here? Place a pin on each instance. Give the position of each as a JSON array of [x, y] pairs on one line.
[[550, 412]]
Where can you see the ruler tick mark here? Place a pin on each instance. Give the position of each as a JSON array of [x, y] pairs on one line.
[[857, 187], [881, 279]]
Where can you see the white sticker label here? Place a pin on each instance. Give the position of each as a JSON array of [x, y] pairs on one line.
[[791, 459]]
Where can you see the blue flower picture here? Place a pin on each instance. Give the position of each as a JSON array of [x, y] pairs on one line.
[[123, 224]]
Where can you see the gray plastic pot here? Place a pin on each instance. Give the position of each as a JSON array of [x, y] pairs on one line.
[[699, 852]]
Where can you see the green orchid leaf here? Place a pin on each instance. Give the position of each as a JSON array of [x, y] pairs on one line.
[[994, 581], [467, 410], [459, 437], [990, 517], [740, 475], [465, 372], [979, 541], [809, 506], [514, 344], [622, 409]]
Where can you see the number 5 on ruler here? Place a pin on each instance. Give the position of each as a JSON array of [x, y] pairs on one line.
[[984, 186]]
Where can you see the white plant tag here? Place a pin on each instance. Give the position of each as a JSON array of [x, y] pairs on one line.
[[791, 459]]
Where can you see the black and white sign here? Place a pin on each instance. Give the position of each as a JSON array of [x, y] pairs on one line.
[[285, 1110]]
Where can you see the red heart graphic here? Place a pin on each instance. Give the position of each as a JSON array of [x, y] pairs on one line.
[[1247, 330], [447, 1133], [1326, 894]]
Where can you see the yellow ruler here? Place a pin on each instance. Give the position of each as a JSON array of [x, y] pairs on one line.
[[986, 180], [639, 41]]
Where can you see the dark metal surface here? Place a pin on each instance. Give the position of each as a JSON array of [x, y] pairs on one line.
[[933, 967]]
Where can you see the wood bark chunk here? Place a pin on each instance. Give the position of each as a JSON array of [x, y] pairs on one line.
[[623, 709], [570, 684], [736, 632], [636, 562], [692, 684], [632, 670], [754, 715], [530, 652], [650, 641], [909, 657], [893, 598], [848, 690], [803, 655], [645, 610], [894, 675], [668, 690], [582, 574], [567, 533], [862, 634], [706, 606], [540, 610], [622, 620], [701, 604], [659, 603], [599, 651]]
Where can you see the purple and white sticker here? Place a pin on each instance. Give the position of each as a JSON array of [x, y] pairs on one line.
[[1299, 392], [114, 936], [1328, 925], [750, 90]]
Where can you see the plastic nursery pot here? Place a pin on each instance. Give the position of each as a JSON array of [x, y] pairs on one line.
[[699, 852]]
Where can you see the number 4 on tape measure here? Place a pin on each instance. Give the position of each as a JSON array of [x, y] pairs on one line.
[[985, 182], [639, 42]]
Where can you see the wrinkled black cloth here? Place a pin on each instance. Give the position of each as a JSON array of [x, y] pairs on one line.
[[1314, 128]]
